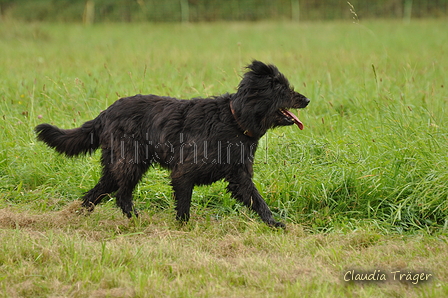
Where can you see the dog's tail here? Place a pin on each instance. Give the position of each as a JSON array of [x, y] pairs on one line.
[[71, 142]]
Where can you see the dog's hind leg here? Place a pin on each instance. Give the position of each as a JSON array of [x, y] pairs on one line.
[[105, 186], [124, 199], [243, 189], [183, 190], [128, 177]]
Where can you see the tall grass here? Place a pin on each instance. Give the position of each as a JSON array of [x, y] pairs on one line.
[[363, 186], [375, 143]]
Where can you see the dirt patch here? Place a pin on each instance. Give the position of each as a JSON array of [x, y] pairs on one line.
[[115, 292], [101, 223], [10, 219], [13, 219]]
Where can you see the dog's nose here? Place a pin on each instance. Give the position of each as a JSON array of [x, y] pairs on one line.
[[306, 101]]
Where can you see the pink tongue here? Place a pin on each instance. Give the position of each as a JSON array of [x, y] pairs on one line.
[[294, 117]]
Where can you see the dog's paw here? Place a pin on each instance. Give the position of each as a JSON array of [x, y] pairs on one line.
[[131, 214], [88, 206], [279, 224], [275, 224]]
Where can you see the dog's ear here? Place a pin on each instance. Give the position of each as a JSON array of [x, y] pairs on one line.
[[259, 68]]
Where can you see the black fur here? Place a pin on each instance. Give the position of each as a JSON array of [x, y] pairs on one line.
[[200, 140]]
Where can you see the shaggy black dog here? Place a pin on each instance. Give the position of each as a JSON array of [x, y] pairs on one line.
[[200, 141]]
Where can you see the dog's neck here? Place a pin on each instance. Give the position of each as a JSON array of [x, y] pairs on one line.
[[245, 131]]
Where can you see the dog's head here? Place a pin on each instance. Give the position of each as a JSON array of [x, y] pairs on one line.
[[264, 98]]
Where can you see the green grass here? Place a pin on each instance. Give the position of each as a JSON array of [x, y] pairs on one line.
[[365, 185]]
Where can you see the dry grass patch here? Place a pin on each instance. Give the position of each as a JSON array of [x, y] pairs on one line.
[[65, 254]]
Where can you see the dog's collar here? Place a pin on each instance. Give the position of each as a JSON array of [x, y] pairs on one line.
[[245, 131]]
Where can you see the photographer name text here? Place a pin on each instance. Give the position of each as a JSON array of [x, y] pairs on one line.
[[383, 276]]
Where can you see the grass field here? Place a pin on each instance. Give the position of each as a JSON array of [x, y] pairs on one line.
[[364, 187]]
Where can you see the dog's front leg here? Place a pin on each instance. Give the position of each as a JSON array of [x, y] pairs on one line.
[[243, 189]]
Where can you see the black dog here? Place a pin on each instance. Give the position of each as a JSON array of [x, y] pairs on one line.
[[200, 140]]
